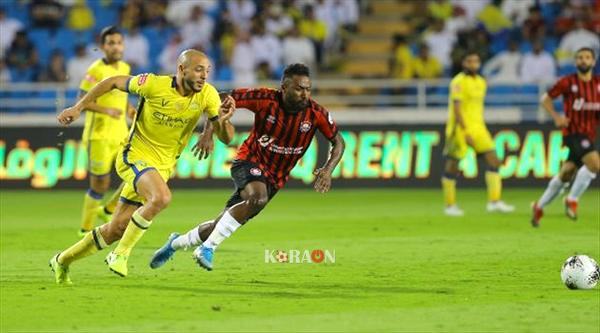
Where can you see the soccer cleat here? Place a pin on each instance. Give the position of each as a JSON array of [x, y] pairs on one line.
[[162, 255], [536, 215], [453, 211], [61, 273], [499, 206], [82, 232], [117, 263], [204, 257], [571, 209], [103, 215]]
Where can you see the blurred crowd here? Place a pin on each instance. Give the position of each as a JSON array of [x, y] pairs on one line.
[[518, 40], [247, 40], [251, 40]]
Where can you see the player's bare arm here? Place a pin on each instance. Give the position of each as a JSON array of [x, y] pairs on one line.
[[323, 180], [205, 144], [69, 115], [222, 126], [95, 107], [559, 120]]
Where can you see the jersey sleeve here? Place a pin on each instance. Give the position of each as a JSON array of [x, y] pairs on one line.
[[326, 124], [250, 99], [559, 88], [141, 84], [457, 90], [213, 103], [91, 78]]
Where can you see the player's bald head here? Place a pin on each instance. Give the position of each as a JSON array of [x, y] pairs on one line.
[[191, 57]]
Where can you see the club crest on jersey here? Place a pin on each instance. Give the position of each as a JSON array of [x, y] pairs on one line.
[[585, 143], [305, 126], [142, 79], [255, 172], [574, 88]]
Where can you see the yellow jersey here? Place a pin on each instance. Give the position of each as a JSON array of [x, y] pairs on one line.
[[99, 126], [470, 91], [165, 120]]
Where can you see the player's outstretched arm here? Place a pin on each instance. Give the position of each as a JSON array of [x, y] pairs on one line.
[[559, 120], [223, 126], [323, 180], [71, 114]]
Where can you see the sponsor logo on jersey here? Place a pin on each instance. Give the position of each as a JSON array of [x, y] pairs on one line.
[[580, 104], [255, 172], [142, 79], [271, 119], [169, 121], [574, 88]]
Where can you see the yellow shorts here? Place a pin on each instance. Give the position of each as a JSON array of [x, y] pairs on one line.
[[101, 156], [130, 169], [456, 142]]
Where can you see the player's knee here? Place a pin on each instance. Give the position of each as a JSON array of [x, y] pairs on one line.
[[257, 201], [160, 200]]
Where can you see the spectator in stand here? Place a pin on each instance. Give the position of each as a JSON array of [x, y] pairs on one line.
[[516, 10], [347, 13], [440, 9], [426, 66], [23, 57], [266, 48], [576, 39], [326, 12], [227, 43], [243, 63], [277, 21], [131, 15], [403, 59], [4, 72], [504, 67], [56, 70], [8, 29], [538, 65], [440, 42], [298, 49], [242, 12], [46, 14], [493, 19], [315, 30], [198, 29], [178, 11], [137, 52], [80, 17], [168, 56], [471, 8], [534, 27], [77, 66]]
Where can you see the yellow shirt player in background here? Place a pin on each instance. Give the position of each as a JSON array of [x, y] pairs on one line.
[[169, 110], [466, 127], [105, 128]]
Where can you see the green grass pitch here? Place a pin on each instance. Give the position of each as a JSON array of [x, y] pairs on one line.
[[400, 266]]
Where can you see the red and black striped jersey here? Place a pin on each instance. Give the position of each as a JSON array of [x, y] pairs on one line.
[[581, 103], [279, 139]]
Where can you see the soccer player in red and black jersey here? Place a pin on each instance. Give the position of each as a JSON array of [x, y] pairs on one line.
[[581, 103], [285, 122]]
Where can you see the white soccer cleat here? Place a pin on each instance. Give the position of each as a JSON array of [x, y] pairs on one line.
[[453, 211], [500, 206]]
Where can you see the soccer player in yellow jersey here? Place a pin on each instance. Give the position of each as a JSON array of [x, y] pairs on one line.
[[105, 128], [465, 128], [169, 110]]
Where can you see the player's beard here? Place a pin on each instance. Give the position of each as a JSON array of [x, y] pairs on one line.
[[583, 69]]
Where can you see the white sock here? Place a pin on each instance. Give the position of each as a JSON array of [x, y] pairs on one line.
[[582, 180], [189, 239], [554, 187], [224, 228]]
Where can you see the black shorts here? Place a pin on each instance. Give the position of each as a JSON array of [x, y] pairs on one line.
[[579, 145], [242, 173]]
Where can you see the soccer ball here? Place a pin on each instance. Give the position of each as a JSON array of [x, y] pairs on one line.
[[580, 272]]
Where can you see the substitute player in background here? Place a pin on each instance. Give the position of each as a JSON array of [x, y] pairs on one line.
[[466, 127], [581, 105], [285, 122], [169, 110], [105, 128]]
